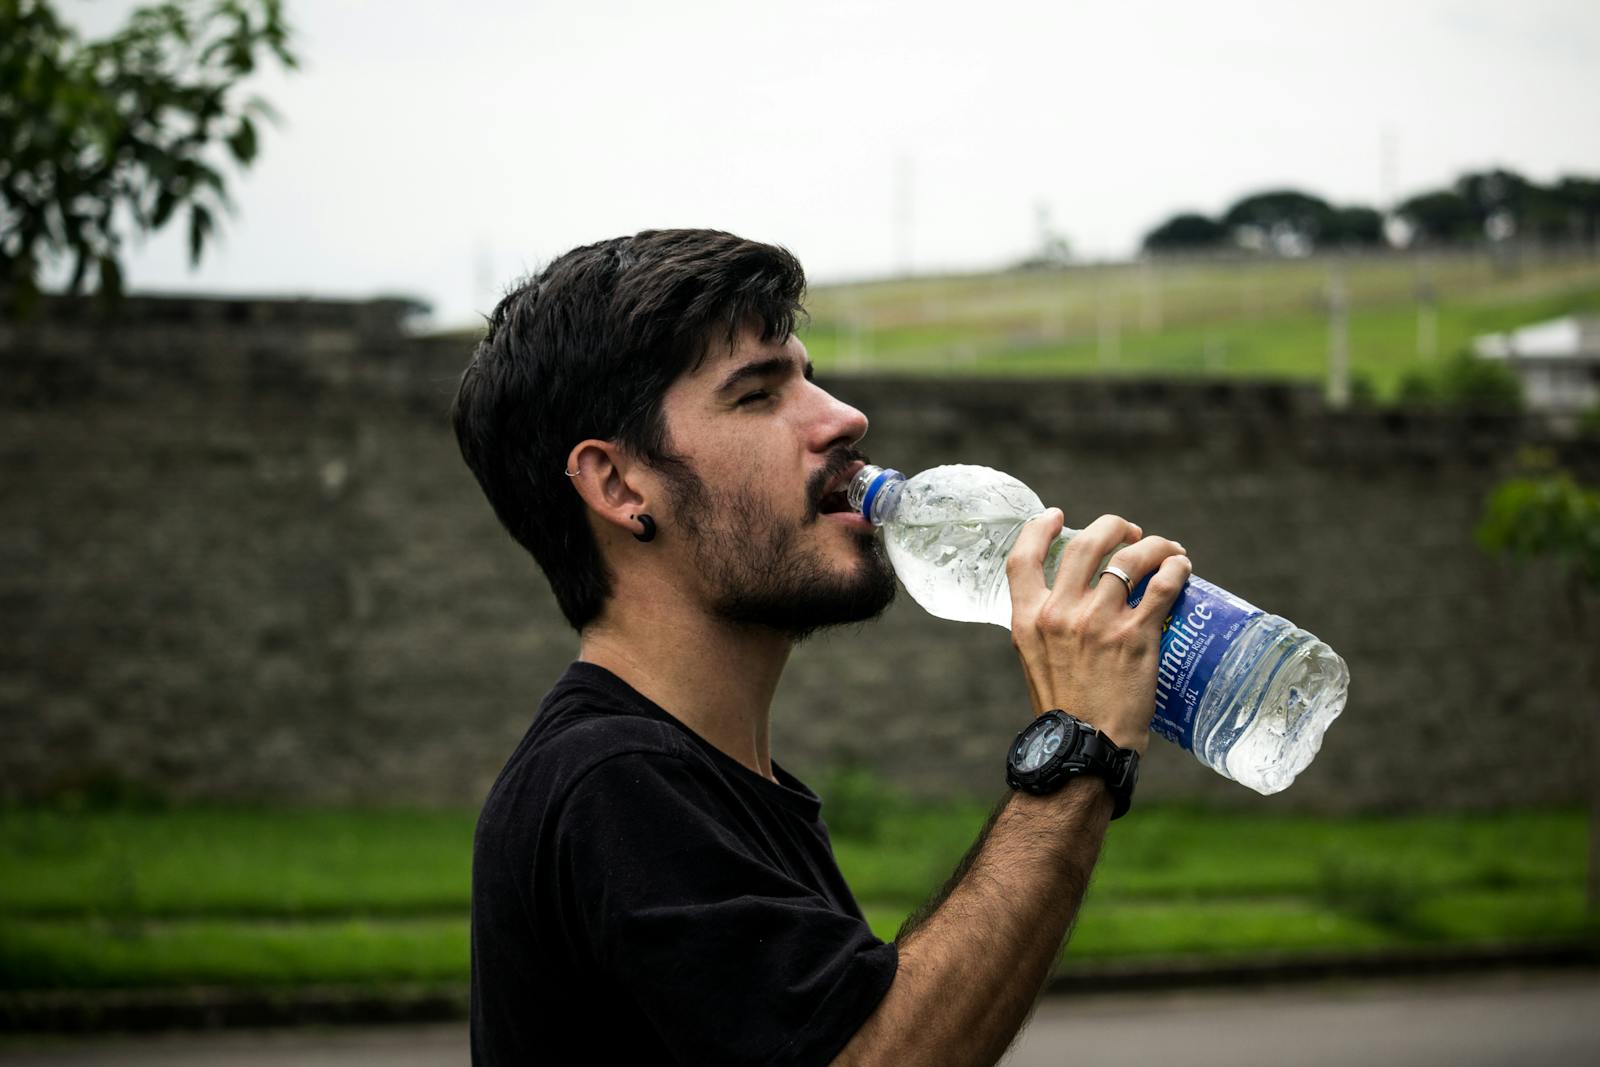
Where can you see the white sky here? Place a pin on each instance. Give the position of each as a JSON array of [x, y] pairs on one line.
[[440, 149]]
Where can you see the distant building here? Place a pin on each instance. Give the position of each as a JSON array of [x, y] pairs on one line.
[[1558, 362]]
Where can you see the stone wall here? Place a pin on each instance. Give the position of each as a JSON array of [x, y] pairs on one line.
[[241, 559]]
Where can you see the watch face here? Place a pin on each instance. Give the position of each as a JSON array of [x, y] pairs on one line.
[[1040, 746]]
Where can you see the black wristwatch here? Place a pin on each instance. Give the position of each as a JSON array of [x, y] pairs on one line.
[[1056, 747]]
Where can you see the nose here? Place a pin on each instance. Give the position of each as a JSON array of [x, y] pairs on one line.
[[838, 423]]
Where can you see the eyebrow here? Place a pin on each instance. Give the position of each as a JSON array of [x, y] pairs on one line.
[[763, 368]]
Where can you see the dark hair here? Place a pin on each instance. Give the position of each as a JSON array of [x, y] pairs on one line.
[[587, 347]]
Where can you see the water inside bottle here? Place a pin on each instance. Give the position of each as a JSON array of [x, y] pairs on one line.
[[950, 538], [1266, 709]]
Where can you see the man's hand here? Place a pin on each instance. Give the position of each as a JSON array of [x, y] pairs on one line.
[[1082, 648]]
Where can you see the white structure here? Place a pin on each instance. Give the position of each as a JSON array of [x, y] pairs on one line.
[[1558, 362]]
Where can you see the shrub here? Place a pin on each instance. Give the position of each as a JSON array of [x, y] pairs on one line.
[[1465, 383]]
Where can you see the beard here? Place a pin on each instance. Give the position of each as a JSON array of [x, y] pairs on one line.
[[760, 572]]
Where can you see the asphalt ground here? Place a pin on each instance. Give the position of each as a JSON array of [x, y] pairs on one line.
[[1529, 1020]]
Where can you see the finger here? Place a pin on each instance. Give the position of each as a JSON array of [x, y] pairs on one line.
[[1091, 545], [1165, 585], [1138, 560], [1025, 563]]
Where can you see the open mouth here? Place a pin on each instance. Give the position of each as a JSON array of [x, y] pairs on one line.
[[833, 503], [837, 499]]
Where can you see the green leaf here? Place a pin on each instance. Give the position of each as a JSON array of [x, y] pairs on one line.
[[200, 227], [166, 202], [242, 142], [261, 107]]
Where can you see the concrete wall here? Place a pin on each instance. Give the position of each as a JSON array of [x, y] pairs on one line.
[[241, 559]]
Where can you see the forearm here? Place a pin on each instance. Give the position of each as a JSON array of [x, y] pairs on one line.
[[969, 974]]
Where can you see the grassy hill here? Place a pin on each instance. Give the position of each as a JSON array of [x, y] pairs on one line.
[[1407, 313]]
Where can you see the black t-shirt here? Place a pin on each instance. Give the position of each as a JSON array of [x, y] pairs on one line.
[[640, 897]]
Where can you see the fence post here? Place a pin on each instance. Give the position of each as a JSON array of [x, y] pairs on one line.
[[1338, 337]]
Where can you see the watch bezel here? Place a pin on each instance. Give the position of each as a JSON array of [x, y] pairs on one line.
[[1071, 748]]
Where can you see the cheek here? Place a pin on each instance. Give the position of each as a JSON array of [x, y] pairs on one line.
[[746, 462]]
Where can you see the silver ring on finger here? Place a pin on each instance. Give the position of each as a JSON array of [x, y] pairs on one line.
[[1119, 574]]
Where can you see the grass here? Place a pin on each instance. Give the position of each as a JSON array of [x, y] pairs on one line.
[[1234, 319], [246, 864], [100, 954], [119, 898], [1167, 853]]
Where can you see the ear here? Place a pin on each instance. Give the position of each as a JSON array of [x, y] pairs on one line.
[[611, 482]]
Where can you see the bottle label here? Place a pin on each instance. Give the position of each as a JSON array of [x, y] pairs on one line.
[[1205, 621]]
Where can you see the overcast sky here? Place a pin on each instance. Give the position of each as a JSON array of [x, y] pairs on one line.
[[440, 149]]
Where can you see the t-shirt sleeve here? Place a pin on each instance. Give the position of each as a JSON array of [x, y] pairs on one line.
[[733, 960]]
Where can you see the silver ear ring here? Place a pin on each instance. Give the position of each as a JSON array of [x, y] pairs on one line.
[[571, 474]]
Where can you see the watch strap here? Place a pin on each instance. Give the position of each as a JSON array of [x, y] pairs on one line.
[[1090, 752]]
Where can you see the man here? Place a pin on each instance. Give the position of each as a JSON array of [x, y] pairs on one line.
[[648, 885]]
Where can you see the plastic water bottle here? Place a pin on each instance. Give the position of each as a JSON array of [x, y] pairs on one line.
[[1250, 694]]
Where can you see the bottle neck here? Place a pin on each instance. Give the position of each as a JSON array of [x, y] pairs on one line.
[[874, 492]]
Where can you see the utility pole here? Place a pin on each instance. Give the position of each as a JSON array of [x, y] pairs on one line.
[[1338, 337], [1387, 168], [1110, 319], [1427, 311], [902, 214], [1150, 298]]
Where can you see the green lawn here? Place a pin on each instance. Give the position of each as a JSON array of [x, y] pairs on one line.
[[96, 899], [141, 953], [240, 864], [1265, 320]]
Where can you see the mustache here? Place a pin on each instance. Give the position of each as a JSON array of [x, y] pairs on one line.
[[817, 485]]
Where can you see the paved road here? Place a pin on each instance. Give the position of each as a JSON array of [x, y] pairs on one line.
[[1526, 1021]]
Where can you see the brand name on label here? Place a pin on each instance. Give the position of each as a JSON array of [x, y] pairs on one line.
[[1179, 638]]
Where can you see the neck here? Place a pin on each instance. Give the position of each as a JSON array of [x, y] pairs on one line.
[[715, 677]]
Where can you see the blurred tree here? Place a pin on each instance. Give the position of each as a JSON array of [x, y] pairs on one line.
[[1186, 233], [1490, 191], [1507, 206], [99, 138], [1549, 516], [1579, 200], [1354, 226], [1441, 217], [1284, 221], [1503, 204]]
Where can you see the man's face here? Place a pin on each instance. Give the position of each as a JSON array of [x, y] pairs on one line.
[[765, 455]]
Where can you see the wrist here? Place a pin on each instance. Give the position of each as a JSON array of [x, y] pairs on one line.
[[1129, 733]]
